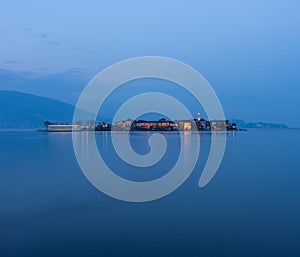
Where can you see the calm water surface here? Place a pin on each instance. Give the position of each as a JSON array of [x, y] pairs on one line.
[[250, 208]]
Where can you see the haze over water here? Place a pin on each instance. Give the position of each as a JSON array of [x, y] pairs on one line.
[[250, 208]]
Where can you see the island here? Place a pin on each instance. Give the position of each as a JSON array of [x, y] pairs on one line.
[[196, 124]]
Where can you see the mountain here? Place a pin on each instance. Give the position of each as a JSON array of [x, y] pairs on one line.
[[20, 110], [256, 125]]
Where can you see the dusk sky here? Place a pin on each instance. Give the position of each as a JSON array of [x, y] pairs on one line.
[[249, 51]]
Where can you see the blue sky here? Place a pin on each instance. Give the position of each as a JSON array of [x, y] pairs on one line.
[[249, 51]]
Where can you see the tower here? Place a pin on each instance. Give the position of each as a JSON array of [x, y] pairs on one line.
[[198, 116]]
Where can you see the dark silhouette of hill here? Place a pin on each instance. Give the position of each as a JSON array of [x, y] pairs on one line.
[[257, 125], [20, 110]]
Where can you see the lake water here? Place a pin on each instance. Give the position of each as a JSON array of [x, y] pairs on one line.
[[250, 208]]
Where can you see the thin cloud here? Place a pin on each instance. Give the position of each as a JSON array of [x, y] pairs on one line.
[[25, 29], [32, 33], [10, 62], [43, 35], [4, 31], [53, 42]]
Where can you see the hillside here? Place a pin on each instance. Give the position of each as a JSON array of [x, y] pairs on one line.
[[20, 110], [256, 125]]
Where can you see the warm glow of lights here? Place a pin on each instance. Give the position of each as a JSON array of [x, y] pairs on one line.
[[187, 125]]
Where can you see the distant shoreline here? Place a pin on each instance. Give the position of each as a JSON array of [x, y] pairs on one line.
[[13, 115]]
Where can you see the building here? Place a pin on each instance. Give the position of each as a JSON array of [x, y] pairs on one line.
[[160, 125], [218, 125], [124, 124], [186, 124]]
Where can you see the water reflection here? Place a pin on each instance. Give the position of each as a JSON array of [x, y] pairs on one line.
[[49, 209], [168, 161]]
